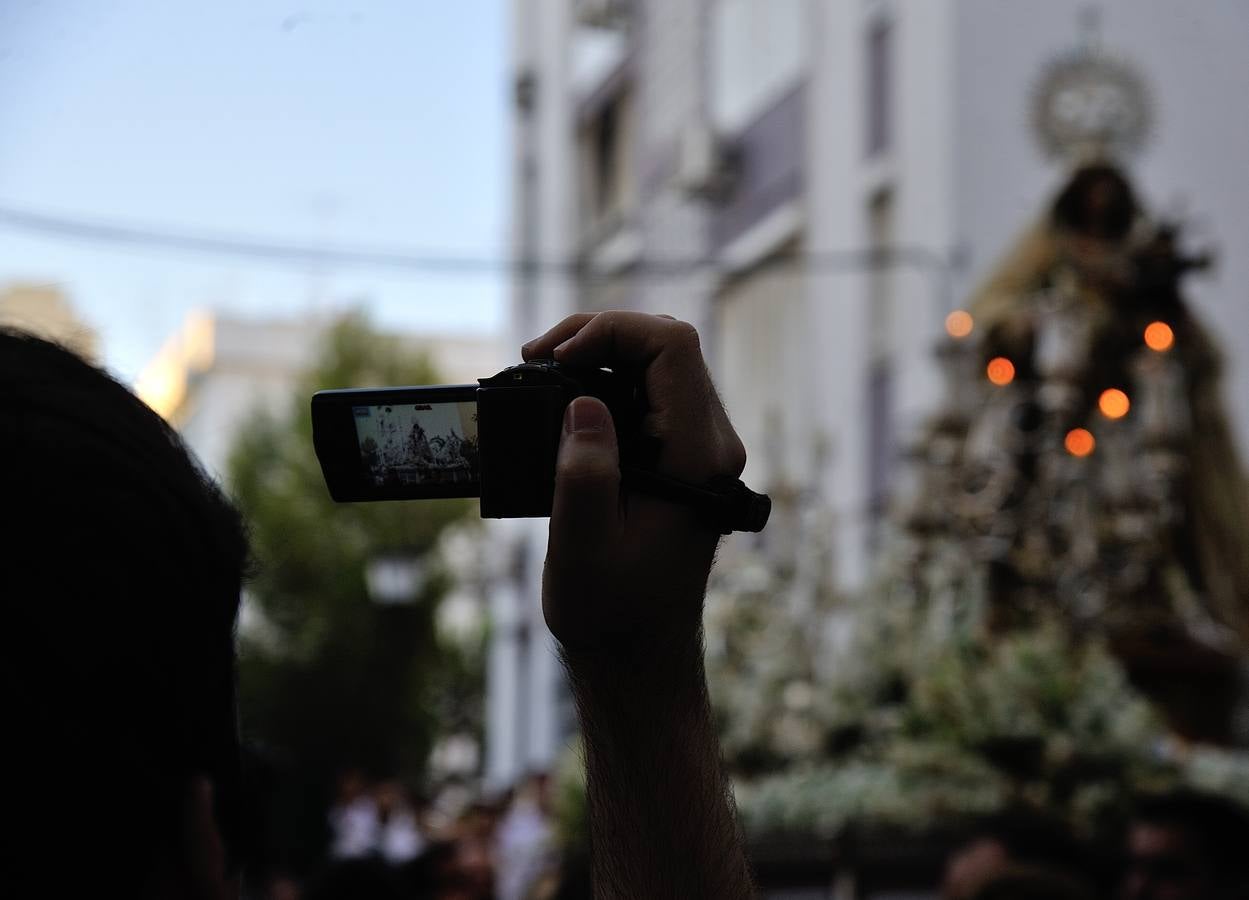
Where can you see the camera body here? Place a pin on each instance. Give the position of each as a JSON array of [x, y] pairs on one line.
[[520, 417], [497, 440]]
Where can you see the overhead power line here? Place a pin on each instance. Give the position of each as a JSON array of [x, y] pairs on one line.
[[432, 262]]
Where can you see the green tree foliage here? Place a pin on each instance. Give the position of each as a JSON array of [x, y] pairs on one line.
[[329, 679]]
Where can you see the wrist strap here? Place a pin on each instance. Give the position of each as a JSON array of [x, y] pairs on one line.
[[725, 503]]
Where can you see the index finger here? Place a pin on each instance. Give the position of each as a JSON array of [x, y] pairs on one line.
[[632, 339], [543, 346]]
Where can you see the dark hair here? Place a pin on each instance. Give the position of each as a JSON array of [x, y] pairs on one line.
[[1218, 827], [1071, 210], [122, 589]]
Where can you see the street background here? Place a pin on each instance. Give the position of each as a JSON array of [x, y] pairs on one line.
[[1007, 562]]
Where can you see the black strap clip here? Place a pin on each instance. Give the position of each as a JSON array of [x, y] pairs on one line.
[[725, 503]]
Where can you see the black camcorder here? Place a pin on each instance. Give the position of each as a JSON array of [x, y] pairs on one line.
[[498, 440]]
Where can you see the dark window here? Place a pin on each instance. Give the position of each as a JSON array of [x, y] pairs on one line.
[[605, 165], [879, 88], [606, 157], [880, 449], [524, 695], [880, 387], [881, 279]]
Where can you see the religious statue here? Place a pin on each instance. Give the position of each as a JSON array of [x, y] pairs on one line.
[[1083, 455]]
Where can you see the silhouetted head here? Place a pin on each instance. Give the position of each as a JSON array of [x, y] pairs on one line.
[[1187, 846], [1098, 202], [123, 566]]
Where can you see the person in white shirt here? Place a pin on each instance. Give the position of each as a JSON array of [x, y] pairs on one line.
[[354, 822]]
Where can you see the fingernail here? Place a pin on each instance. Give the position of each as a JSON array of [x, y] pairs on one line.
[[586, 414], [524, 348]]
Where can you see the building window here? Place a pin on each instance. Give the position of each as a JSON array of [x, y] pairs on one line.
[[757, 52], [879, 400], [525, 699], [879, 87], [759, 360], [880, 446], [881, 241], [606, 157]]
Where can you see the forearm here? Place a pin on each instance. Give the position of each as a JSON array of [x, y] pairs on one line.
[[661, 813]]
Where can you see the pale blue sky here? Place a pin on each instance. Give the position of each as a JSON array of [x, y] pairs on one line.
[[373, 122]]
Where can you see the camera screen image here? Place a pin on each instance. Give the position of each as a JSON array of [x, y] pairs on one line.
[[422, 443]]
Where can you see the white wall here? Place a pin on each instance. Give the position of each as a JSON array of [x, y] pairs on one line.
[[523, 672], [223, 403], [925, 160], [840, 183], [838, 317], [756, 52]]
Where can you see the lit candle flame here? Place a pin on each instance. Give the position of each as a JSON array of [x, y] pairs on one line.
[[958, 324], [1159, 336], [1080, 442], [1114, 403], [1001, 371]]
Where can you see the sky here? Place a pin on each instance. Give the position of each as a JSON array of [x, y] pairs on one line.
[[361, 123]]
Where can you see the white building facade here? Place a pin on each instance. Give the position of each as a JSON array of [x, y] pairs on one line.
[[815, 184], [43, 309]]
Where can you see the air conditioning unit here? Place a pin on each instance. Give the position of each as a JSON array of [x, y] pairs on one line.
[[707, 167], [603, 13]]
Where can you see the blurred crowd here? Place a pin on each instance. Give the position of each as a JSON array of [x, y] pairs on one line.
[[387, 842], [1177, 846]]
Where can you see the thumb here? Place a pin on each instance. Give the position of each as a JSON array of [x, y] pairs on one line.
[[586, 509]]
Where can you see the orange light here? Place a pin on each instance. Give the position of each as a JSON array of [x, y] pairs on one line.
[[1080, 442], [1001, 371], [958, 324], [1159, 336], [1113, 403]]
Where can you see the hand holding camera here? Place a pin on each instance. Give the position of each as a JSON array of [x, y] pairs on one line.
[[612, 427], [624, 569], [647, 461]]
